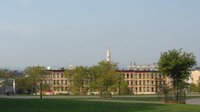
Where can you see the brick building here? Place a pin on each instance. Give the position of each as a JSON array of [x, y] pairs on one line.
[[58, 82], [144, 81], [140, 81]]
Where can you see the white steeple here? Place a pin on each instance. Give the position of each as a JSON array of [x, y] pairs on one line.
[[108, 55]]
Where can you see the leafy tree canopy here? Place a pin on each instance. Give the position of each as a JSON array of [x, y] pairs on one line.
[[177, 65]]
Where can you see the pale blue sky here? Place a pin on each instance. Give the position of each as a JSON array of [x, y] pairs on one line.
[[62, 32]]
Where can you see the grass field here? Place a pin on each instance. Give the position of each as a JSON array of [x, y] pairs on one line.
[[83, 105]]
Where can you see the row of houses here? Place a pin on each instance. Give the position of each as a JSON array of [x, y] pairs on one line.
[[140, 81]]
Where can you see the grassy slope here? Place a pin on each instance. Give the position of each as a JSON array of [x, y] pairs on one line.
[[64, 105]]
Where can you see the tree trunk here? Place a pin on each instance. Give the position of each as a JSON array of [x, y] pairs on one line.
[[119, 88], [177, 95], [41, 89]]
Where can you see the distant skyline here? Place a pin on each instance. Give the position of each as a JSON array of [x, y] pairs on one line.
[[59, 33]]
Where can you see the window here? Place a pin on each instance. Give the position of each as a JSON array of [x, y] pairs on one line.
[[143, 82], [148, 75], [136, 76], [152, 89], [152, 76], [62, 75], [148, 89], [148, 82], [160, 76], [131, 82], [58, 82], [144, 76], [136, 83], [131, 75], [62, 89]]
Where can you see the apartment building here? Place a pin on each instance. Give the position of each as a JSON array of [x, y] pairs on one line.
[[140, 80], [58, 83], [144, 80]]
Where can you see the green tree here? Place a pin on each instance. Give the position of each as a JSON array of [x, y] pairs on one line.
[[35, 76], [22, 85], [198, 87], [79, 78], [121, 85], [7, 74], [106, 78], [176, 64], [193, 87], [101, 78], [93, 74]]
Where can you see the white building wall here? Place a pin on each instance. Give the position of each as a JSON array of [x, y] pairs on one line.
[[194, 77]]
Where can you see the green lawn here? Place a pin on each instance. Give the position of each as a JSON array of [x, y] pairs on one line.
[[146, 98], [76, 105], [140, 98]]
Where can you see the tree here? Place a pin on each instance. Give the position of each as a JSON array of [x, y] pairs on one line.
[[7, 74], [93, 75], [102, 78], [176, 64], [23, 85], [106, 78], [79, 80], [193, 87], [35, 76], [198, 88]]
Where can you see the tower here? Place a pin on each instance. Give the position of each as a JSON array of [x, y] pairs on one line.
[[108, 55]]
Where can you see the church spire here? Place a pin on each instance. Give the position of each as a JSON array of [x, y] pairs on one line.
[[108, 55]]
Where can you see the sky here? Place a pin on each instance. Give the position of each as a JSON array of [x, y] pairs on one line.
[[59, 33]]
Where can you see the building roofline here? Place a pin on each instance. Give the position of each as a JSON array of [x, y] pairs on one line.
[[56, 70], [137, 70]]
